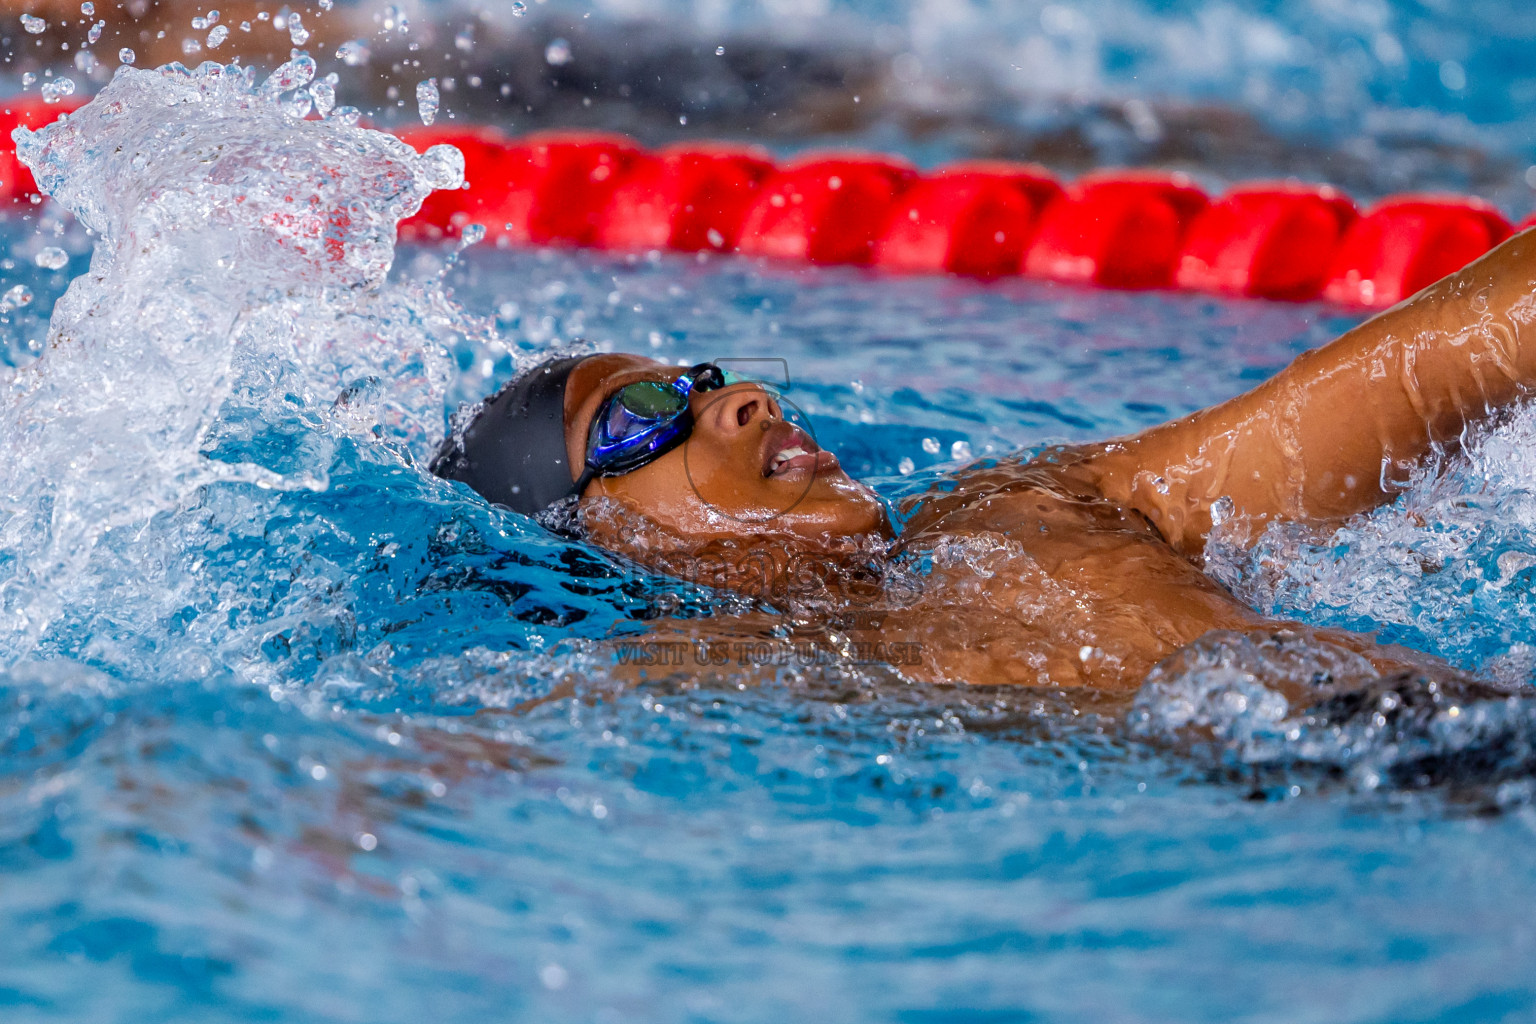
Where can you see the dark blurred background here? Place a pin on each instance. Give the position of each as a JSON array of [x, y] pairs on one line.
[[1373, 95]]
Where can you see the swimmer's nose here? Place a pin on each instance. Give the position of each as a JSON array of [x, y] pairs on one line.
[[737, 408]]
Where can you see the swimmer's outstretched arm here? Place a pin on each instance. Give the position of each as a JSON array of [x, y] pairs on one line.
[[1327, 436]]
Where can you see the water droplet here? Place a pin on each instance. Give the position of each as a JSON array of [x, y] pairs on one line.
[[719, 51], [346, 115], [300, 104], [367, 841], [443, 167], [296, 30], [57, 89], [295, 74], [199, 23], [427, 100], [217, 36], [126, 55], [87, 8], [324, 93], [51, 258], [28, 78], [931, 445], [94, 35], [85, 61], [18, 296], [465, 40], [353, 54], [519, 8], [557, 53], [960, 450], [190, 46], [35, 26], [906, 466], [213, 17], [326, 5], [395, 20]]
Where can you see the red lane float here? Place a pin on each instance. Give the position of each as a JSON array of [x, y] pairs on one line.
[[687, 198], [1407, 243], [984, 218], [557, 185], [973, 218], [1266, 241], [825, 209], [1116, 229]]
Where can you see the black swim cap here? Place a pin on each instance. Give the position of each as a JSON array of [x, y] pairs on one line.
[[513, 451]]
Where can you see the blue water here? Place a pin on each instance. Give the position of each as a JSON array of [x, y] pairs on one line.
[[272, 748], [373, 837]]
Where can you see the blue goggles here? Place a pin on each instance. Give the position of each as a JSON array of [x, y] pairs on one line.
[[641, 422]]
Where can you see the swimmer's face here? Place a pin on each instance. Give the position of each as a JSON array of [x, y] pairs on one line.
[[741, 472]]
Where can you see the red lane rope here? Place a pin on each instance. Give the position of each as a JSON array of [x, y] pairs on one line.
[[987, 219], [984, 219]]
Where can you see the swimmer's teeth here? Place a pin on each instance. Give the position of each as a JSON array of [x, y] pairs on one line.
[[784, 456]]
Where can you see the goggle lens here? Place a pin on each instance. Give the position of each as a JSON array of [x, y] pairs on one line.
[[648, 400]]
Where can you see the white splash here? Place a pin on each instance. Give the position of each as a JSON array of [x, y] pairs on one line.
[[239, 277]]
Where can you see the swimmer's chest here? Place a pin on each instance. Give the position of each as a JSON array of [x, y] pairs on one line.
[[1071, 590]]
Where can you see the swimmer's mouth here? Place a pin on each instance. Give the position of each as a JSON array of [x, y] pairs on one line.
[[787, 451]]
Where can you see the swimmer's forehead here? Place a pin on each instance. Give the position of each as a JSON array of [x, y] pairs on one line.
[[602, 375], [594, 380]]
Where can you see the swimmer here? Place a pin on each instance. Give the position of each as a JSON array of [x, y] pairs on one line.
[[1079, 568]]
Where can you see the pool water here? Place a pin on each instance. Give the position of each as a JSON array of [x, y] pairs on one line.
[[270, 739]]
